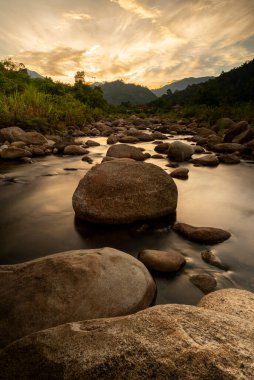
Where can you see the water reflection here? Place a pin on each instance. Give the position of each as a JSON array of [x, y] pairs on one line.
[[37, 219]]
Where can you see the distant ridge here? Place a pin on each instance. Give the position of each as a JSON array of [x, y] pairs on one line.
[[34, 74], [180, 85], [118, 92]]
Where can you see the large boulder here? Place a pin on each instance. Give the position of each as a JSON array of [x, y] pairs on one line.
[[179, 151], [235, 131], [124, 191], [237, 302], [163, 342], [71, 286], [12, 134], [227, 147], [125, 151], [203, 235], [13, 153]]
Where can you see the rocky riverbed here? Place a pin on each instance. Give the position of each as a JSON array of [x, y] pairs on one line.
[[173, 203]]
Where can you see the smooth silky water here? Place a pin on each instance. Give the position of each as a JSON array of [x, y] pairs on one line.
[[37, 219]]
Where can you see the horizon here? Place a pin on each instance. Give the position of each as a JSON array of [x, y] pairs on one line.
[[149, 43]]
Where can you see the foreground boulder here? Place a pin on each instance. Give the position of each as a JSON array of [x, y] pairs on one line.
[[237, 302], [203, 235], [125, 151], [70, 286], [124, 191], [164, 342]]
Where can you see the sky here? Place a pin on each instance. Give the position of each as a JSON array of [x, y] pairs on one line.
[[139, 41]]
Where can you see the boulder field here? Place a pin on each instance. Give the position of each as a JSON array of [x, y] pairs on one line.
[[124, 191], [163, 342], [71, 286]]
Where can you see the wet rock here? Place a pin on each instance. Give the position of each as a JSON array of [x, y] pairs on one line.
[[104, 129], [205, 282], [162, 261], [112, 139], [87, 159], [75, 150], [235, 131], [89, 143], [207, 160], [172, 165], [204, 132], [62, 143], [179, 151], [158, 136], [13, 153], [11, 134], [223, 124], [227, 147], [212, 141], [203, 235], [26, 160], [124, 191], [162, 342], [157, 156], [142, 136], [230, 159], [37, 151], [236, 302], [162, 148], [180, 173], [71, 286], [210, 258], [18, 144], [199, 149], [129, 139], [125, 151]]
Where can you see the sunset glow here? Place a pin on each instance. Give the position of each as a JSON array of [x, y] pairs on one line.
[[141, 41]]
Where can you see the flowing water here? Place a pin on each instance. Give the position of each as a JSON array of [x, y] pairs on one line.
[[37, 219]]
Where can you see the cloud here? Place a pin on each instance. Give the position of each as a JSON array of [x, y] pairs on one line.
[[55, 62], [150, 42], [137, 8], [77, 16]]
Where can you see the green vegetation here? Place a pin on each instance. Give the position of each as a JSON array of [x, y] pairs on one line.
[[128, 94], [43, 104], [231, 94]]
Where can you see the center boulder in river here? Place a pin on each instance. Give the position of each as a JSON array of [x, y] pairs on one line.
[[124, 191]]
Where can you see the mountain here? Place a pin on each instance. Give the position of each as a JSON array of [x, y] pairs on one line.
[[34, 74], [180, 85], [118, 92], [233, 87]]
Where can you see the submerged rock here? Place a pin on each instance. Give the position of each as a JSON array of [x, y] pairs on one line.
[[124, 191], [205, 282], [71, 286], [204, 235], [162, 342], [210, 258], [162, 261]]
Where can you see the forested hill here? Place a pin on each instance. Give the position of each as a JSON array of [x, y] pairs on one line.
[[235, 86], [180, 85], [118, 92]]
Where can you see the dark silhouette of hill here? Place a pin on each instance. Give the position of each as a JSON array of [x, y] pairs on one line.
[[234, 86], [179, 85], [118, 92]]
